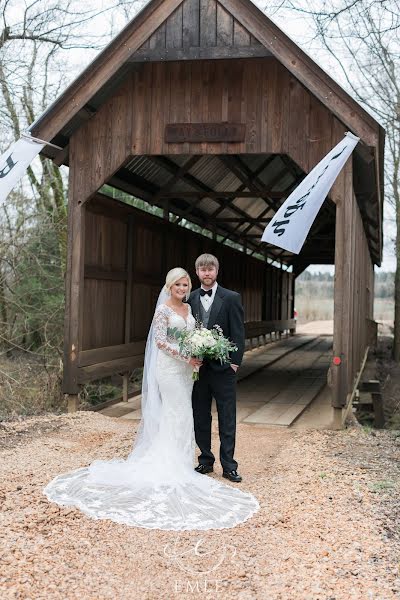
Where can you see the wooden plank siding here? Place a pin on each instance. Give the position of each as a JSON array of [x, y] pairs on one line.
[[202, 61], [199, 29], [202, 25], [112, 336], [354, 284], [280, 115], [74, 281]]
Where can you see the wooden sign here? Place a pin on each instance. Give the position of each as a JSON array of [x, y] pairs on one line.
[[176, 133]]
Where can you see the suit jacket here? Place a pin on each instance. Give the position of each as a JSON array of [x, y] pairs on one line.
[[227, 312]]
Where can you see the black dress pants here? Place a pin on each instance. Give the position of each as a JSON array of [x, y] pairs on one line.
[[221, 385]]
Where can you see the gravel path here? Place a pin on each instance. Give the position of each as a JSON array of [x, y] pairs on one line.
[[327, 528]]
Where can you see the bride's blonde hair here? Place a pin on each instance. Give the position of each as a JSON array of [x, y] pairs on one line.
[[174, 275]]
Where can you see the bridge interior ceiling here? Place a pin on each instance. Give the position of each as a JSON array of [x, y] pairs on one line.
[[232, 196]]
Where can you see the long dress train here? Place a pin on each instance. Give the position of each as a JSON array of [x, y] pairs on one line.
[[158, 488]]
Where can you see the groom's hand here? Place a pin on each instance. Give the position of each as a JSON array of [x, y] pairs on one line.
[[234, 367], [195, 362]]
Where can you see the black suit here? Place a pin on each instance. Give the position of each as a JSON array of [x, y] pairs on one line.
[[218, 381]]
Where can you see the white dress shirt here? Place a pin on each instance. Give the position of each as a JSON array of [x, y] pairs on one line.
[[208, 300]]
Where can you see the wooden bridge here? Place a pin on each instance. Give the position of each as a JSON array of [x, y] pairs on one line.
[[205, 114], [277, 383]]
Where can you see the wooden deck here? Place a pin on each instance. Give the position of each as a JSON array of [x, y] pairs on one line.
[[276, 382]]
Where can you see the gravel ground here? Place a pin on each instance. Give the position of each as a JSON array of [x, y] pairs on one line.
[[327, 528]]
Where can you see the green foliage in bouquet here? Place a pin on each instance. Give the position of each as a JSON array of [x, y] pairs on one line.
[[203, 343]]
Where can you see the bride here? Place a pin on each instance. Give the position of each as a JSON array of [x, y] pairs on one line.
[[156, 486]]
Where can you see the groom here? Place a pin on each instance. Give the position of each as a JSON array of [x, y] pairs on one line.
[[214, 305]]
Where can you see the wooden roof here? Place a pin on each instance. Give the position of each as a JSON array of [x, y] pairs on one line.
[[167, 30], [103, 69]]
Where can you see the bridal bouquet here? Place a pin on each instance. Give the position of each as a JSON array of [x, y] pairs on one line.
[[204, 343]]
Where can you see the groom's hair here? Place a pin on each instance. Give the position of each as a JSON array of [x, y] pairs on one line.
[[206, 260]]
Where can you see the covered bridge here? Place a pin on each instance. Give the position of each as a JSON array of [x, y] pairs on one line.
[[208, 111]]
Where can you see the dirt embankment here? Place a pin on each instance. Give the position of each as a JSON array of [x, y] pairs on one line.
[[327, 528]]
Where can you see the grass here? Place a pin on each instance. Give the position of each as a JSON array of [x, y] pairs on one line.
[[379, 486], [383, 309], [312, 308]]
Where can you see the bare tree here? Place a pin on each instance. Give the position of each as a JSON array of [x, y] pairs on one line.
[[40, 53], [360, 39], [35, 38]]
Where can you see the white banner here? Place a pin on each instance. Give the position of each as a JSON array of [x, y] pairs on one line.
[[292, 222], [14, 163]]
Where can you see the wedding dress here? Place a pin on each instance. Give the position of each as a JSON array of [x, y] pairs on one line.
[[156, 487]]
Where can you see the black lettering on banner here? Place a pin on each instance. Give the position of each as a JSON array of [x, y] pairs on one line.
[[277, 224], [10, 164], [294, 207], [289, 212], [313, 186]]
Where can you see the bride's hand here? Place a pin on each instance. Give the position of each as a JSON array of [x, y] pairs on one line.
[[195, 362]]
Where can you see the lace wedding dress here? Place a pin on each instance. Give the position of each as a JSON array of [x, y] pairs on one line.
[[156, 487]]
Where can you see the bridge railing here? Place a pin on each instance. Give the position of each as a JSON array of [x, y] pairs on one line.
[[256, 332]]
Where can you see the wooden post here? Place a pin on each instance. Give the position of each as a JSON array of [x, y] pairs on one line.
[[73, 402], [342, 194], [125, 381], [128, 299], [292, 283], [379, 416], [373, 386], [166, 209], [75, 273]]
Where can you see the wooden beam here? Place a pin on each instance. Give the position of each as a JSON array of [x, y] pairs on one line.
[[343, 191], [138, 181], [257, 172], [231, 195], [241, 220], [109, 353], [129, 280], [98, 371], [202, 219], [299, 267], [62, 156], [245, 175], [287, 191], [163, 192], [199, 53], [74, 274], [225, 202], [172, 167], [260, 219], [73, 403]]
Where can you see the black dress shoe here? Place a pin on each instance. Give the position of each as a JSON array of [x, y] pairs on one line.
[[203, 469], [232, 475]]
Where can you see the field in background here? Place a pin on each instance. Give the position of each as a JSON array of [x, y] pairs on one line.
[[310, 308], [384, 309], [314, 297]]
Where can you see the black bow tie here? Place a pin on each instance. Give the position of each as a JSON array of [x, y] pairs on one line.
[[205, 292]]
